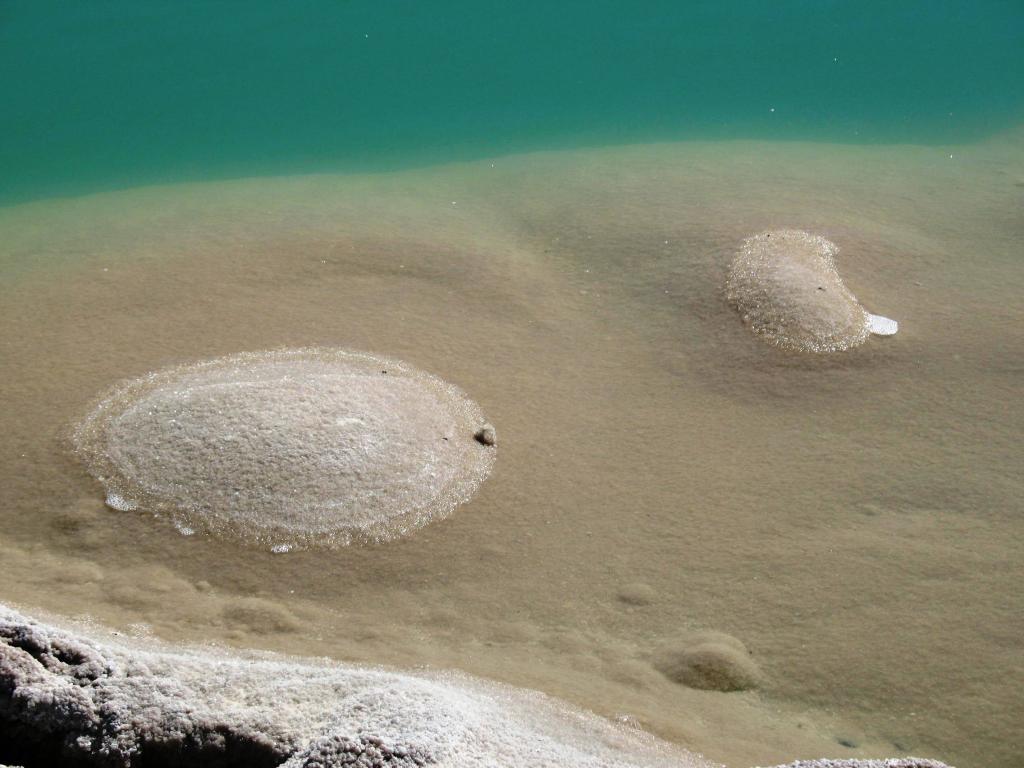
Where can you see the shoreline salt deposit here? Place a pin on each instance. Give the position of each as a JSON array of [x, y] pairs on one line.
[[288, 448]]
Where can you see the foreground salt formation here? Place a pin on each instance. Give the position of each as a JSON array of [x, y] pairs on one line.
[[289, 448], [785, 285], [70, 700], [75, 701]]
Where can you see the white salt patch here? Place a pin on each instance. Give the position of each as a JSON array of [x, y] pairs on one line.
[[882, 326], [120, 503]]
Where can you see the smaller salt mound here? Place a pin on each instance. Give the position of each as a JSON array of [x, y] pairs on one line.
[[106, 703], [785, 285], [289, 448]]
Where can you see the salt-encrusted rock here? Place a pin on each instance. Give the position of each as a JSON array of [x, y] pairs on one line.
[[362, 752], [68, 700]]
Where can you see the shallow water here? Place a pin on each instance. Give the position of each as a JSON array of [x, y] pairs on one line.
[[852, 519]]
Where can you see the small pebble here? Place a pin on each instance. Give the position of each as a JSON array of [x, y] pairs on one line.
[[486, 435]]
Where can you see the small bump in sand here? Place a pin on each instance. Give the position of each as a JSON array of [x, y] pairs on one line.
[[637, 594], [289, 448], [711, 661], [785, 285]]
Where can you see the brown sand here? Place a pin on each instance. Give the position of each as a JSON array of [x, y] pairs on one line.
[[852, 519]]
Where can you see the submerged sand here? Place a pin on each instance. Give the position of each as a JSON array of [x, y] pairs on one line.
[[851, 519]]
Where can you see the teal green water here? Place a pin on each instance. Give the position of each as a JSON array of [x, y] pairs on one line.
[[114, 93]]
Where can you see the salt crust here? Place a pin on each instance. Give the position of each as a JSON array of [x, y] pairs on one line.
[[288, 448], [121, 702]]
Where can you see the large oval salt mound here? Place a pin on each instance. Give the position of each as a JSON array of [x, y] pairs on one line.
[[289, 448], [785, 285]]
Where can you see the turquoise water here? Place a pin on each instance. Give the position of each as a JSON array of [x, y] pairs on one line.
[[115, 93]]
